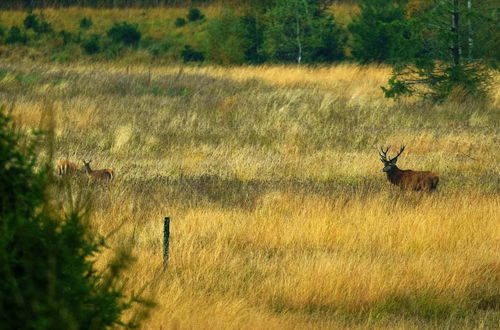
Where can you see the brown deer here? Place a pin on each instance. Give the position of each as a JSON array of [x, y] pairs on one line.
[[407, 179], [104, 175], [65, 167]]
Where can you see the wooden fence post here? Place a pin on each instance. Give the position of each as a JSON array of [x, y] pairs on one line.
[[166, 238]]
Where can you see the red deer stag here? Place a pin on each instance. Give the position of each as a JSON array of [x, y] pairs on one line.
[[407, 179], [65, 167], [104, 175]]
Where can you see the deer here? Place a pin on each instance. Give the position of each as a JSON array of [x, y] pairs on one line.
[[65, 167], [407, 179], [103, 175]]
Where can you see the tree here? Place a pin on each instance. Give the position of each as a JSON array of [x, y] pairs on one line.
[[49, 280], [234, 40], [300, 31], [378, 32], [226, 39], [448, 60]]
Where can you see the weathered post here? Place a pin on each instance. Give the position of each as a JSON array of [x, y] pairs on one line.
[[166, 237]]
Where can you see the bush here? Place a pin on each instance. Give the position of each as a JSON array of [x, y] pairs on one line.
[[30, 21], [85, 23], [92, 44], [66, 36], [15, 35], [188, 54], [37, 24], [179, 22], [2, 31], [44, 27], [194, 14], [125, 33], [49, 278]]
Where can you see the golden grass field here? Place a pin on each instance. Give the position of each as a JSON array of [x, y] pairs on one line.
[[281, 215]]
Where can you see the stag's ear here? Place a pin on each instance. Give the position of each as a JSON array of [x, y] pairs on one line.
[[393, 161]]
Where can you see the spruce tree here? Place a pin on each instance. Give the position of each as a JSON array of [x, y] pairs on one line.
[[448, 60]]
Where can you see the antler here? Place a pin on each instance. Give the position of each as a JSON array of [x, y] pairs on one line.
[[399, 153], [383, 153]]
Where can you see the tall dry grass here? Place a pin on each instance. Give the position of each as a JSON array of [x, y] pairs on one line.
[[281, 216]]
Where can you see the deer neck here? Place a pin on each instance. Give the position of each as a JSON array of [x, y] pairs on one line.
[[394, 175], [88, 170]]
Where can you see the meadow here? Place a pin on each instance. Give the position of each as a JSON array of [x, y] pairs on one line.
[[281, 215], [162, 39]]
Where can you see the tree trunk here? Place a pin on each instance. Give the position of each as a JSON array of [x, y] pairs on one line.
[[469, 51], [455, 39], [299, 43]]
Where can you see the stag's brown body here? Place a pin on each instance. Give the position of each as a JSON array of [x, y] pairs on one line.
[[413, 180], [65, 167], [407, 179]]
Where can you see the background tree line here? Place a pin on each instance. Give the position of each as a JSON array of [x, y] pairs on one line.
[[429, 42], [25, 4]]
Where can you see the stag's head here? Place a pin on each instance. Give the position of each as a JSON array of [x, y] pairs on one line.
[[389, 163]]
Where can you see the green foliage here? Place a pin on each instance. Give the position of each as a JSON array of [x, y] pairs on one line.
[[378, 32], [30, 21], [125, 33], [447, 61], [226, 39], [159, 49], [66, 36], [300, 31], [156, 48], [2, 31], [327, 41], [92, 44], [16, 36], [180, 22], [486, 34], [194, 14], [37, 24], [85, 23], [49, 279], [254, 36], [396, 88], [189, 54]]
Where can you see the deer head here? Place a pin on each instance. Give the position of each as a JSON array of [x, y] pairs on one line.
[[389, 164], [86, 165]]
